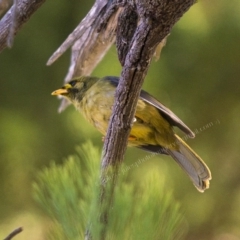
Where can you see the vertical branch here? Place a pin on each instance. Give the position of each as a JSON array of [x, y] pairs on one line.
[[156, 19]]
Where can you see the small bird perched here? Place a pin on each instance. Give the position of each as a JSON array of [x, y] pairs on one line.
[[152, 128]]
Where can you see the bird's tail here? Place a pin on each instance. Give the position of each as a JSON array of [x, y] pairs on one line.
[[192, 164]]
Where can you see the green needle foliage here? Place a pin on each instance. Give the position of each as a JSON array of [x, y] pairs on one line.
[[69, 195]]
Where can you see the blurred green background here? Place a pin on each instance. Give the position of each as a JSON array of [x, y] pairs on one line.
[[197, 77]]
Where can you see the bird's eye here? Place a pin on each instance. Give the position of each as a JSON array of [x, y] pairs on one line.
[[73, 83]]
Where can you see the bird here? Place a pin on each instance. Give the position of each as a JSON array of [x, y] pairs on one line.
[[152, 127]]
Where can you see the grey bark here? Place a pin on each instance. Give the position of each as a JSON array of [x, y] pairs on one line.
[[155, 21], [13, 20]]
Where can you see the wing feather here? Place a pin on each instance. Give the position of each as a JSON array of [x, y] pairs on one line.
[[164, 111], [167, 113]]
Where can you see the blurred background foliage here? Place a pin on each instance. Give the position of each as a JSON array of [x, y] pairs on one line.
[[196, 77]]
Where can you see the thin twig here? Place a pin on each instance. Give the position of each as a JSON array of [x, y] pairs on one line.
[[14, 233]]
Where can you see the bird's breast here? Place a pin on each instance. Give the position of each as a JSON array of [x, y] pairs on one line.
[[96, 106], [149, 127]]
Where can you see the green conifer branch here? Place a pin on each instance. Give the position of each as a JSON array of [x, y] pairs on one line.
[[69, 195]]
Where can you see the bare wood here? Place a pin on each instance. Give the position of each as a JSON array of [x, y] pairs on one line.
[[11, 33], [83, 31], [89, 43], [156, 19], [24, 11]]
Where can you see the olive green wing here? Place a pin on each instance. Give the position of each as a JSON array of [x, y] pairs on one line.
[[164, 111]]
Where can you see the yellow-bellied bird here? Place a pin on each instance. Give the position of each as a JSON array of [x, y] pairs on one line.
[[152, 128]]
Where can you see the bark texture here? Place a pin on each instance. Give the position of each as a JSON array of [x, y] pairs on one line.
[[135, 50], [13, 20]]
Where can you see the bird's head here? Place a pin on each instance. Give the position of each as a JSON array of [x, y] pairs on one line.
[[76, 88]]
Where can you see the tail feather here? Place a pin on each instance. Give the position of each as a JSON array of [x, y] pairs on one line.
[[192, 164]]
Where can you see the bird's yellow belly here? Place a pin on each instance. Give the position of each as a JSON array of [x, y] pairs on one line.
[[149, 127]]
